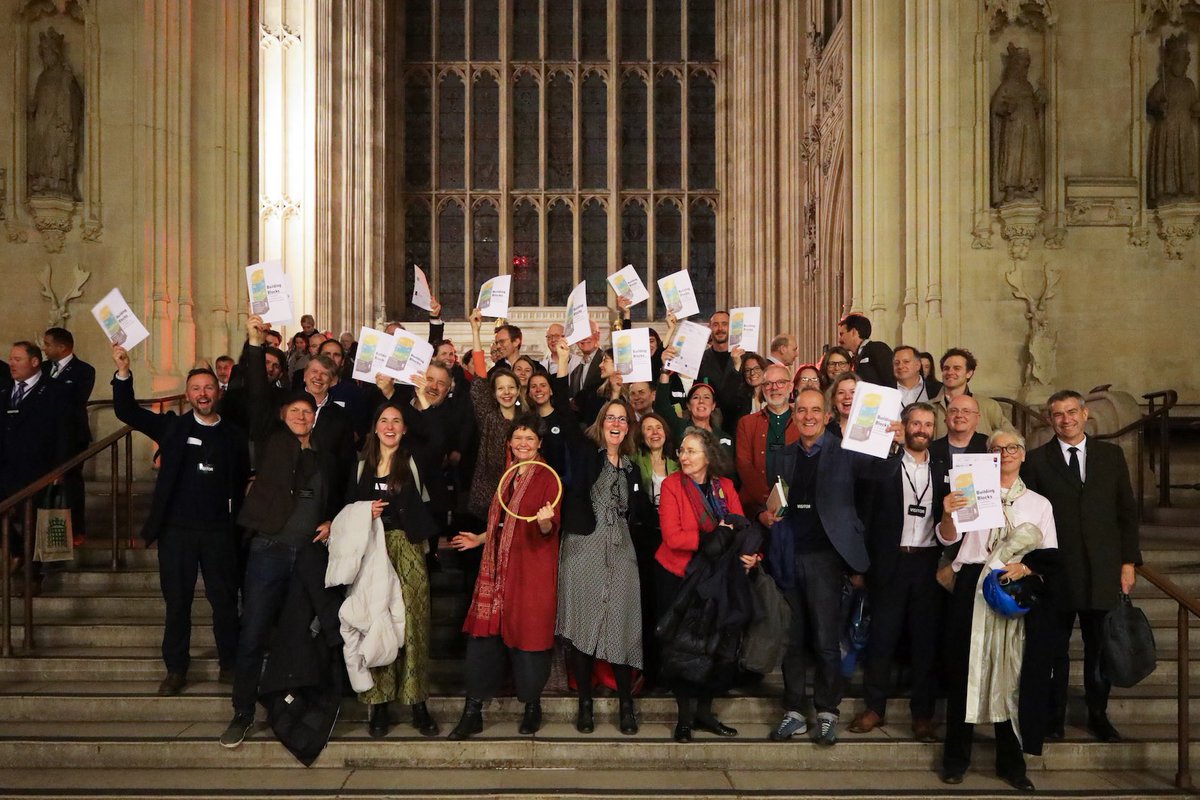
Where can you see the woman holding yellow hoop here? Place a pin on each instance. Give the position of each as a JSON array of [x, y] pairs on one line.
[[511, 618], [599, 603]]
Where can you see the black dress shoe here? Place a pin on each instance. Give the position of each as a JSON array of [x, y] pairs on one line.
[[172, 684], [531, 720], [952, 778], [377, 721], [683, 733], [584, 721], [1019, 782], [1056, 733], [713, 725], [1102, 729]]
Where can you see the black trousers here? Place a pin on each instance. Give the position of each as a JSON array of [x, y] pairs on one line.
[[182, 554], [906, 602], [487, 663], [816, 605], [956, 756], [1096, 687], [73, 484]]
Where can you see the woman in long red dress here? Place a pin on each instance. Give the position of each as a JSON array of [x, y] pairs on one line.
[[512, 613]]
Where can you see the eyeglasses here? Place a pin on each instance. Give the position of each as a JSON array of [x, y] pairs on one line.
[[776, 384], [613, 419], [754, 369], [961, 412], [689, 452], [1008, 449], [810, 379], [837, 364]]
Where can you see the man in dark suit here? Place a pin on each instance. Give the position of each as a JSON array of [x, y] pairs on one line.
[[716, 366], [1087, 483], [585, 377], [906, 601], [817, 545], [333, 431], [5, 377], [963, 436], [205, 466], [79, 378], [906, 369], [872, 360], [36, 432]]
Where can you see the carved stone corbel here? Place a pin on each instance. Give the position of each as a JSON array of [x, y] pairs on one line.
[[1177, 226], [1020, 221], [52, 216]]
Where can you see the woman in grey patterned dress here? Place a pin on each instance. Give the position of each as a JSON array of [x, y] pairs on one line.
[[599, 602]]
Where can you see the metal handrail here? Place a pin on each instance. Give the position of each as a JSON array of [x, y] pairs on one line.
[[1027, 413], [26, 498], [1183, 771]]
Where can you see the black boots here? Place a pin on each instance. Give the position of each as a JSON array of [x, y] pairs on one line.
[[423, 721], [531, 721], [584, 721], [377, 721], [628, 720], [471, 722], [687, 713]]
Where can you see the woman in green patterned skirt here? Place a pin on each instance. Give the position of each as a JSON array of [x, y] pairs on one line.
[[388, 476]]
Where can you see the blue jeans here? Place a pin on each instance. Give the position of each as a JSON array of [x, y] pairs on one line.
[[268, 571]]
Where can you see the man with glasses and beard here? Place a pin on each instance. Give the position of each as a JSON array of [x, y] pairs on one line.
[[760, 439]]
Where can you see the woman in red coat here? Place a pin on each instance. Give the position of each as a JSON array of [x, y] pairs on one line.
[[512, 613], [694, 502]]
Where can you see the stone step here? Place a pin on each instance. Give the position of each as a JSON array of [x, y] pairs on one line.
[[674, 783], [132, 701], [143, 579], [139, 745]]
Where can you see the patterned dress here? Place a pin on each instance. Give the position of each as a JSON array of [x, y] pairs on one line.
[[599, 603], [407, 678]]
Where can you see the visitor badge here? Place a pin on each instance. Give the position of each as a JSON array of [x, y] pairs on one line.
[[916, 510]]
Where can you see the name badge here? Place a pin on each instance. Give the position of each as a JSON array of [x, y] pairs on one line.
[[192, 440], [14, 411], [635, 487], [728, 442], [205, 468], [677, 394], [341, 403], [304, 494], [804, 505], [917, 510], [863, 360]]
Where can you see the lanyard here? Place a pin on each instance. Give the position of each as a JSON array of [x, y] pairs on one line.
[[913, 486]]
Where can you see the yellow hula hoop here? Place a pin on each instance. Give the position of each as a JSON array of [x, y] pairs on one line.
[[500, 497]]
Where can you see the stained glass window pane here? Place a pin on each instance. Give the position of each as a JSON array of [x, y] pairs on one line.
[[418, 130], [633, 132], [593, 252], [560, 30], [525, 254], [485, 123], [668, 242], [418, 29], [667, 124], [560, 237], [449, 282], [417, 240], [559, 133], [485, 30], [666, 30], [525, 133], [486, 222], [593, 30], [452, 98], [702, 39], [702, 132], [525, 30], [702, 256], [633, 246], [631, 22], [452, 26], [593, 145]]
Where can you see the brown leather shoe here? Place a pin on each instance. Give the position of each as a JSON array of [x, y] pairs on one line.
[[923, 730], [866, 722]]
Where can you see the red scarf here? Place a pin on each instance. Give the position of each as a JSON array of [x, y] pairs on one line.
[[707, 516]]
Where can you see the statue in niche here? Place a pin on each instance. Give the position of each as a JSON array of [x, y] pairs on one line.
[[1172, 171], [1017, 142], [55, 124]]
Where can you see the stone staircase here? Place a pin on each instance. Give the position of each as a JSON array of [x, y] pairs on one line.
[[79, 717]]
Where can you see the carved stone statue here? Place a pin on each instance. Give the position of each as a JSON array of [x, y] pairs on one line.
[[1017, 141], [1172, 171], [55, 124]]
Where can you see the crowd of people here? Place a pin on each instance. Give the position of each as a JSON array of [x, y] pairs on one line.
[[635, 524]]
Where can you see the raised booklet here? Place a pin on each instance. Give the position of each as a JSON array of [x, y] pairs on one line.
[[270, 292], [421, 296], [576, 325], [679, 298], [744, 325], [120, 324], [631, 355], [977, 476], [690, 340], [493, 296], [627, 283], [873, 410]]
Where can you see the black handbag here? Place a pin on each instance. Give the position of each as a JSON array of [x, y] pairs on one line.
[[1128, 653]]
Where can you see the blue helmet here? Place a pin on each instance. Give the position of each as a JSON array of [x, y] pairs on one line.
[[1014, 598]]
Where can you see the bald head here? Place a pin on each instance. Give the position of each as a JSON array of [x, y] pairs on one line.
[[962, 419]]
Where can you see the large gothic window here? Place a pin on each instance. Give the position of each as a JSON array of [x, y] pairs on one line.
[[557, 141]]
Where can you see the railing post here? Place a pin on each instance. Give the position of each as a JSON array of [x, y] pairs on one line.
[[115, 502], [1183, 776], [129, 486], [1139, 443], [1164, 456], [6, 648], [30, 534]]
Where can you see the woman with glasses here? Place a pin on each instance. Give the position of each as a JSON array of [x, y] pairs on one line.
[[742, 391], [836, 362], [696, 500], [808, 376], [992, 660], [599, 600]]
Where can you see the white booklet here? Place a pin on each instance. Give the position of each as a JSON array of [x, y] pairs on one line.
[[493, 296], [576, 325], [690, 340], [873, 410], [421, 296], [407, 355], [631, 355], [678, 296], [269, 289], [120, 324], [978, 477], [627, 283], [744, 325], [374, 347]]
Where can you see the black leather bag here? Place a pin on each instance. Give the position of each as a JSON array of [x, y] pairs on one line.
[[1129, 654]]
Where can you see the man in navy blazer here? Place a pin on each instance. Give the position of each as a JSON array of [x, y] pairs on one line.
[[79, 378], [817, 545], [200, 486]]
